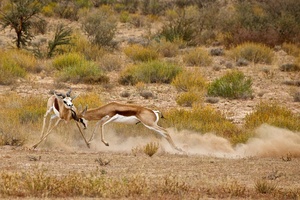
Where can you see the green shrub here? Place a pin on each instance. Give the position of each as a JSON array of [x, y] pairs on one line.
[[256, 53], [259, 21], [140, 53], [190, 80], [233, 85], [75, 68], [180, 24], [66, 60], [273, 114], [198, 57], [10, 67], [100, 25], [202, 119], [149, 72]]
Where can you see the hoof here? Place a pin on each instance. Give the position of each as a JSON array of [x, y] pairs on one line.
[[33, 147], [106, 144]]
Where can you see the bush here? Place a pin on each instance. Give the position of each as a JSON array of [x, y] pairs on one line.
[[187, 99], [140, 53], [272, 114], [100, 26], [19, 118], [198, 57], [202, 119], [291, 49], [180, 24], [259, 21], [166, 48], [190, 81], [90, 99], [110, 62], [253, 52], [73, 67], [82, 46], [149, 72], [10, 66], [233, 85]]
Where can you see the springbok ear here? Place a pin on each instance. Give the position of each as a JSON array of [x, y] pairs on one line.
[[59, 95], [69, 92]]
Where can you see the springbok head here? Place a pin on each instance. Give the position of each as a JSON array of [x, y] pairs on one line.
[[66, 98], [79, 117]]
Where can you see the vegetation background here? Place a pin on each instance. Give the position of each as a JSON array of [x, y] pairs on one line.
[[218, 70]]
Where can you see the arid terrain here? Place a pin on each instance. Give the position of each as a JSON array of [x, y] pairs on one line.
[[210, 167]]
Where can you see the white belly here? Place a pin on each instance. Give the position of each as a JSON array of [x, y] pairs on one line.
[[125, 119]]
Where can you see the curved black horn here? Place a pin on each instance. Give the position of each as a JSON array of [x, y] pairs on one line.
[[69, 92]]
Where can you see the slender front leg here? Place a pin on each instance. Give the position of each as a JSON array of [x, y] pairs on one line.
[[44, 122], [45, 136], [86, 142], [104, 119]]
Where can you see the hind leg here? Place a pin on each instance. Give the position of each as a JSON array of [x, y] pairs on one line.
[[163, 132]]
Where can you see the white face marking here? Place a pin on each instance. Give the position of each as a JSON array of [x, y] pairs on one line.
[[68, 102]]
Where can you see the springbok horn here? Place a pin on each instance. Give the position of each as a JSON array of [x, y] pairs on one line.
[[75, 97], [69, 92]]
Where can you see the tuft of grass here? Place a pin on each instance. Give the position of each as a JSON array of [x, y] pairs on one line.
[[235, 189], [265, 187], [201, 119], [140, 53], [149, 72], [233, 85], [198, 57], [273, 114], [256, 53], [151, 148], [75, 68]]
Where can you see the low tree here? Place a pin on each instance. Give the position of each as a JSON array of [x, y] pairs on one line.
[[19, 15]]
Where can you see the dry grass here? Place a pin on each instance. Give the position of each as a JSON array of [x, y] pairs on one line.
[[160, 177]]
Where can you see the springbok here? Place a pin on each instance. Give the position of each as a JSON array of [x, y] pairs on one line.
[[63, 109], [124, 113]]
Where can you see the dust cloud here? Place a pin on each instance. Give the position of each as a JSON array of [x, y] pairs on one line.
[[268, 141]]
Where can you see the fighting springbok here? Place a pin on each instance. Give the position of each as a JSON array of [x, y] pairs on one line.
[[63, 109], [124, 113]]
